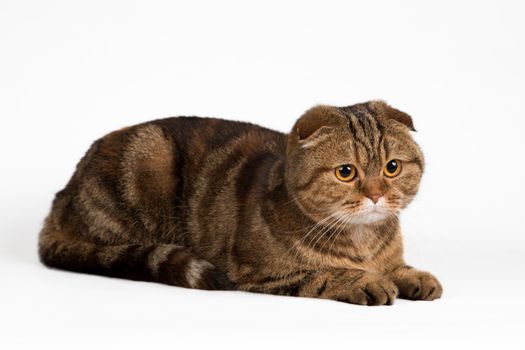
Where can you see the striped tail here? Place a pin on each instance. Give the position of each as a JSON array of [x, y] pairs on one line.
[[163, 263]]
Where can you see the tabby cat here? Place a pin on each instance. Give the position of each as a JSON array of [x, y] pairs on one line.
[[223, 205]]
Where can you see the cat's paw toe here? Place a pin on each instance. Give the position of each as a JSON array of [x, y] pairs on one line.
[[420, 286], [377, 292]]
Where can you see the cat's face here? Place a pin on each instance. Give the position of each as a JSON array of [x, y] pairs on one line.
[[353, 165]]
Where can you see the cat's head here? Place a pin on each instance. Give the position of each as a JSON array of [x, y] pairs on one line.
[[358, 164]]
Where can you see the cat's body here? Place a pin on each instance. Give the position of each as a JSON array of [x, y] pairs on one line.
[[215, 204]]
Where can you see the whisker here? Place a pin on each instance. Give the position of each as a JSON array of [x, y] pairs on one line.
[[347, 221], [318, 233], [336, 232], [303, 228], [321, 234], [317, 224]]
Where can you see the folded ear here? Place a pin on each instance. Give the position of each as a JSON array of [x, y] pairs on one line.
[[387, 112], [316, 120]]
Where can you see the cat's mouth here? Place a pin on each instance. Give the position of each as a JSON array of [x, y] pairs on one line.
[[370, 217], [368, 214]]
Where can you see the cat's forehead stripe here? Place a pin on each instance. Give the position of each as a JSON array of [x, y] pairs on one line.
[[367, 132]]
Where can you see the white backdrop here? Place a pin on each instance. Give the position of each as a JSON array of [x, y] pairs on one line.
[[71, 71]]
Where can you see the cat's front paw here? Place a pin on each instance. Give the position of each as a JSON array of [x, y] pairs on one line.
[[365, 289], [419, 285]]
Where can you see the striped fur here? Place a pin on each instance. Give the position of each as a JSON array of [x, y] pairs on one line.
[[215, 204]]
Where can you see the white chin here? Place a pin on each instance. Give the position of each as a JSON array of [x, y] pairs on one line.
[[369, 218]]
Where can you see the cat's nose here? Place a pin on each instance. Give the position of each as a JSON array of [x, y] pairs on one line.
[[373, 188], [375, 197]]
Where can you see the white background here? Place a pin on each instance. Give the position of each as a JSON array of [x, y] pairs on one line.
[[72, 71]]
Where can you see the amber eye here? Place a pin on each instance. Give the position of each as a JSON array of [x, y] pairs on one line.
[[345, 172], [392, 168]]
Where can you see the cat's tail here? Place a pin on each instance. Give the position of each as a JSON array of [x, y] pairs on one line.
[[164, 263]]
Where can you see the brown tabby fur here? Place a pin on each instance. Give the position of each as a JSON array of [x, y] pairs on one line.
[[215, 204]]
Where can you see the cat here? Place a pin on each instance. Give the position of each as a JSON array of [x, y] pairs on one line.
[[221, 205]]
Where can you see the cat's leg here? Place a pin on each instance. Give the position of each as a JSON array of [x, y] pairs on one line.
[[414, 284], [351, 286], [164, 263]]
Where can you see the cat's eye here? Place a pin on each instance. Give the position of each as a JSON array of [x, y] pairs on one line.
[[392, 168], [346, 172]]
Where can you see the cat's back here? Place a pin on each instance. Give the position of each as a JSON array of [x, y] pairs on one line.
[[200, 137], [150, 151], [176, 142], [137, 176], [209, 153]]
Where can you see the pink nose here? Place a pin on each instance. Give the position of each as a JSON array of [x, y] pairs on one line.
[[374, 197]]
